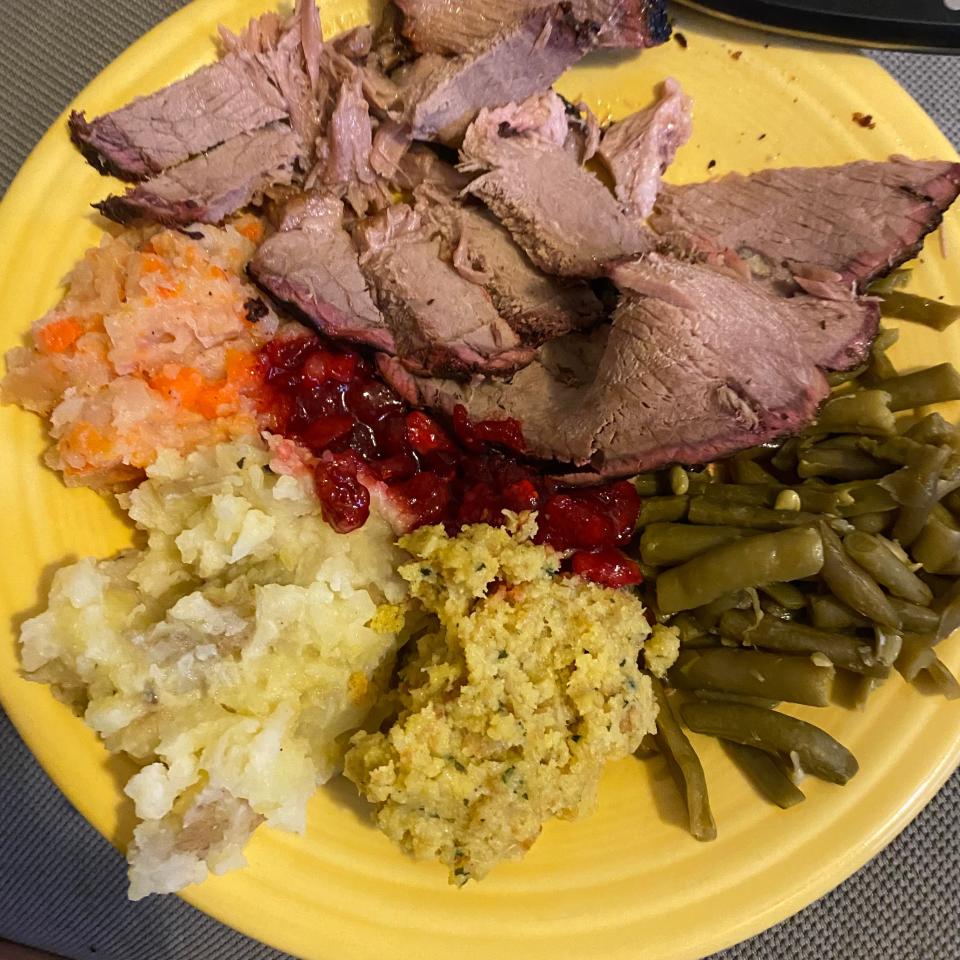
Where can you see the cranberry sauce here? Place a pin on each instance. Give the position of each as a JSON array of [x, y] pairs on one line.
[[331, 400]]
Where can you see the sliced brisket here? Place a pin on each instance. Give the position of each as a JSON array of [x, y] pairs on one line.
[[666, 382], [207, 108], [846, 224], [208, 188], [565, 219], [537, 307], [460, 26], [524, 59], [441, 322], [312, 264], [638, 149]]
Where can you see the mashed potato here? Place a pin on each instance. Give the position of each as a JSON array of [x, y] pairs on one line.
[[152, 347], [232, 656], [518, 692]]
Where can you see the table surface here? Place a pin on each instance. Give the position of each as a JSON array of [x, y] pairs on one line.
[[62, 887]]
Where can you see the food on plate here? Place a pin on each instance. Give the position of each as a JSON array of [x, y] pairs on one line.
[[415, 540], [453, 27], [231, 657], [520, 688], [152, 347]]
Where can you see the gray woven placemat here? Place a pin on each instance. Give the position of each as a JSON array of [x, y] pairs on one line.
[[62, 887]]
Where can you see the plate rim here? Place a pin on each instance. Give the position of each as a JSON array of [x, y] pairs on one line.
[[17, 707]]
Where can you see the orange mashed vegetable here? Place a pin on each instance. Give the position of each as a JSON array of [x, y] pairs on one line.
[[151, 348]]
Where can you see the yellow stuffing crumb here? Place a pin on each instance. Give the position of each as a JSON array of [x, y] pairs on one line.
[[522, 687]]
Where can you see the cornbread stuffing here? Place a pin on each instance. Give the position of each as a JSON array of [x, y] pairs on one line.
[[232, 656], [523, 685]]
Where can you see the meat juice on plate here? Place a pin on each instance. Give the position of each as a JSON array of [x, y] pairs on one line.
[[330, 400]]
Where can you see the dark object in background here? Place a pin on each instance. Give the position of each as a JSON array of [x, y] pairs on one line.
[[920, 24]]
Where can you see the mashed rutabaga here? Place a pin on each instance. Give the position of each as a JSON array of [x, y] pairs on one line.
[[521, 688], [232, 656]]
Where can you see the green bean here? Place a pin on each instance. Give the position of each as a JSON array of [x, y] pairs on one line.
[[837, 378], [662, 510], [879, 366], [691, 633], [886, 567], [865, 412], [828, 613], [915, 487], [887, 645], [952, 501], [931, 385], [679, 480], [938, 546], [915, 618], [773, 609], [892, 449], [843, 650], [812, 498], [818, 753], [894, 280], [709, 614], [908, 306], [754, 674], [932, 429], [722, 696], [852, 584], [786, 457], [704, 510], [839, 464], [948, 608], [940, 679], [766, 775], [665, 544], [865, 497], [647, 484], [871, 522], [685, 767], [787, 595], [751, 562], [749, 472], [916, 654]]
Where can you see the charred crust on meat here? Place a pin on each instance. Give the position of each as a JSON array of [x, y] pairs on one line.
[[659, 26], [255, 309], [82, 134]]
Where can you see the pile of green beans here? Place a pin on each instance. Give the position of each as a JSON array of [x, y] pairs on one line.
[[795, 570]]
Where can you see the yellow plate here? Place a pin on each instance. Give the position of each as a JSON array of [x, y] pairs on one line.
[[627, 882]]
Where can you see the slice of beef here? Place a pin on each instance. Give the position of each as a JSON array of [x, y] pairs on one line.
[[441, 322], [208, 188], [537, 307], [638, 149], [849, 223], [562, 216], [349, 138], [205, 109], [390, 144], [459, 26], [524, 59], [668, 381], [311, 263], [420, 166]]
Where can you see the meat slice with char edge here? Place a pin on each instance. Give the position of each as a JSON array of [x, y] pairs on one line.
[[845, 224], [312, 264], [216, 103], [668, 381], [563, 217], [440, 321], [523, 59], [459, 26], [210, 187]]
